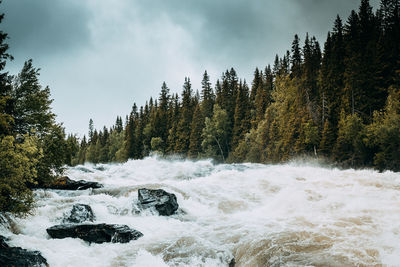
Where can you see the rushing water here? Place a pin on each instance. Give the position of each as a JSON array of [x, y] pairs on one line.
[[261, 215]]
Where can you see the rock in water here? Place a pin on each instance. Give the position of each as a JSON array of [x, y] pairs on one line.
[[164, 202], [16, 256], [80, 213], [96, 233], [64, 183]]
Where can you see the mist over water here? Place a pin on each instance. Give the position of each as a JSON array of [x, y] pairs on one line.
[[295, 214]]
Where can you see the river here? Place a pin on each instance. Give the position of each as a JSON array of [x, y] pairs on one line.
[[295, 214]]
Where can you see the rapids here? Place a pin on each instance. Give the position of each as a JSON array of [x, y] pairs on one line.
[[296, 214]]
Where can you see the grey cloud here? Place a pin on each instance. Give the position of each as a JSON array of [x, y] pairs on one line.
[[44, 27], [244, 32]]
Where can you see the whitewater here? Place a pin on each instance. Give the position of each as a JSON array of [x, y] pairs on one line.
[[295, 214]]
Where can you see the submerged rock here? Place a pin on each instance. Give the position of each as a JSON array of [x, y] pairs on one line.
[[16, 256], [80, 213], [64, 183], [96, 233], [165, 203]]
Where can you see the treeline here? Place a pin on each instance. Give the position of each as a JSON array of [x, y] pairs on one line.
[[33, 147], [342, 103]]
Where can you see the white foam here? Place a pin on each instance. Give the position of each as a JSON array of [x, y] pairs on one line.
[[295, 213]]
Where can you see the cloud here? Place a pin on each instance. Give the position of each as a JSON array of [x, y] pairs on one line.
[[46, 27]]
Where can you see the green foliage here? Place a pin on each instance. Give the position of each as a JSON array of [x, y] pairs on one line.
[[349, 146], [33, 149], [207, 96], [71, 150], [384, 134], [248, 150], [215, 134], [6, 120], [157, 144], [162, 122], [54, 147], [312, 136], [242, 114], [32, 110], [18, 160], [328, 138], [115, 142], [186, 115], [195, 135]]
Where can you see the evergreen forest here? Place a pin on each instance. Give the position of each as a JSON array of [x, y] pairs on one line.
[[340, 102]]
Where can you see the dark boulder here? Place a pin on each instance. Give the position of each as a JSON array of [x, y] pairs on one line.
[[164, 202], [3, 243], [16, 256], [80, 213], [64, 183], [96, 233]]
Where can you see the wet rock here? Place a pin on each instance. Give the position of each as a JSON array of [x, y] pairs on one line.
[[6, 221], [3, 243], [64, 183], [96, 233], [232, 263], [80, 213], [16, 256], [165, 203]]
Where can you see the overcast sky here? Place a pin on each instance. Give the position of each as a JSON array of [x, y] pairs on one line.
[[101, 56]]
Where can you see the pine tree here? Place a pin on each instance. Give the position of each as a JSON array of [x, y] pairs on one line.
[[6, 119], [162, 125], [257, 83], [295, 59], [81, 158], [139, 134], [207, 96], [196, 130], [383, 135], [17, 169], [118, 124], [215, 134], [242, 114], [349, 145], [130, 134], [32, 111], [183, 129], [174, 115], [91, 129], [226, 99]]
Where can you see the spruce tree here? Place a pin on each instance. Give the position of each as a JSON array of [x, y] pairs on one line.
[[6, 119], [257, 83], [197, 126], [91, 130], [207, 96], [130, 134], [295, 58], [162, 125], [185, 120], [174, 115], [242, 114], [32, 111]]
